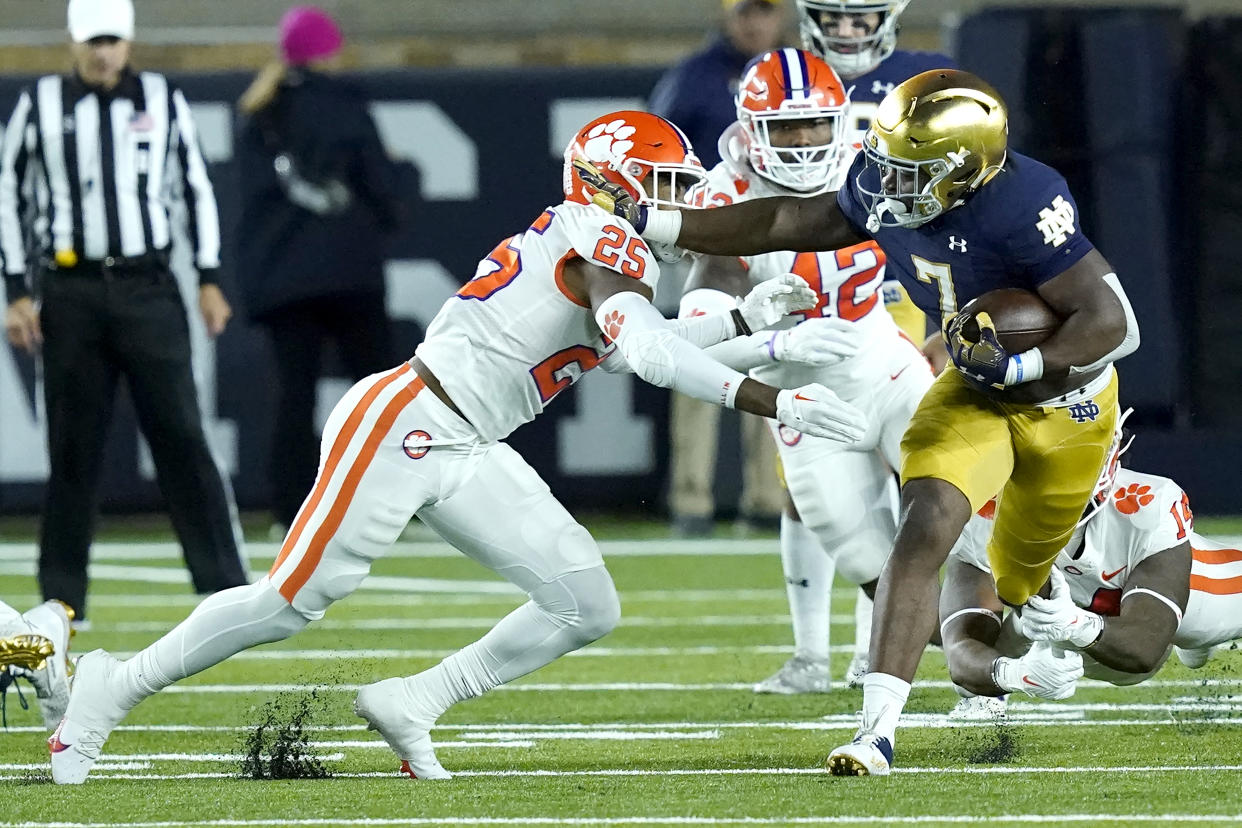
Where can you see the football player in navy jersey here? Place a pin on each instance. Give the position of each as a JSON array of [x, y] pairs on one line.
[[957, 216]]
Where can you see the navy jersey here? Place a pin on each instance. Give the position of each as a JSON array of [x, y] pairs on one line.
[[869, 89], [1019, 230]]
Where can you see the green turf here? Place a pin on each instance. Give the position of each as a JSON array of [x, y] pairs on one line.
[[736, 604]]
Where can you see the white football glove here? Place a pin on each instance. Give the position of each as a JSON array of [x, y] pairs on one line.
[[1045, 672], [819, 342], [815, 410], [1057, 618], [774, 299]]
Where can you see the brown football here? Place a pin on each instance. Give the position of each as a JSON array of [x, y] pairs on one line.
[[1022, 318]]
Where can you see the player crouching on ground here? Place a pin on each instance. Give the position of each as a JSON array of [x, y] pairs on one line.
[[1134, 582], [571, 292], [790, 138]]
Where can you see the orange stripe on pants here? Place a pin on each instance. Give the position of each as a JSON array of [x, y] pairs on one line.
[[314, 552], [1217, 556], [334, 458]]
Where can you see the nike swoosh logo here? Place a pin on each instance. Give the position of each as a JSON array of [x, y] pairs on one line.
[[1027, 680], [55, 745], [1108, 576], [898, 374], [800, 397]]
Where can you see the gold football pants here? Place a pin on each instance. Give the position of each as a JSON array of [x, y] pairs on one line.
[[1043, 461]]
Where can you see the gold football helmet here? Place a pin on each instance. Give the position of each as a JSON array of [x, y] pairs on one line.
[[934, 140]]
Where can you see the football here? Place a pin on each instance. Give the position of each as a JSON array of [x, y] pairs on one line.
[[1022, 318]]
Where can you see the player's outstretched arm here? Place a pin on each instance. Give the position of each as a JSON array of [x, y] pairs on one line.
[[1099, 326], [970, 625], [1153, 600], [757, 226], [659, 356], [970, 622], [710, 288]]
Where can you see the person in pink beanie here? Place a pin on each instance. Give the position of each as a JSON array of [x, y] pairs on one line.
[[318, 208], [308, 34]]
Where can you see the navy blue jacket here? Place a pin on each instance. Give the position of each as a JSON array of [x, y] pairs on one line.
[[317, 204], [697, 95]]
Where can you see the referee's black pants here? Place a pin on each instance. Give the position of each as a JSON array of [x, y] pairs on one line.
[[97, 328]]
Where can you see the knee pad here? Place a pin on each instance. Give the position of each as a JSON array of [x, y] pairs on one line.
[[584, 601]]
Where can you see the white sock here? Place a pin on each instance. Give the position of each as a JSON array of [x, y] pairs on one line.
[[863, 608], [561, 616], [808, 583], [223, 624], [884, 696]]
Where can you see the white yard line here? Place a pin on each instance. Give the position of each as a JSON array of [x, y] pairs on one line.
[[1059, 715], [586, 652], [689, 596], [487, 622], [1033, 819], [670, 686]]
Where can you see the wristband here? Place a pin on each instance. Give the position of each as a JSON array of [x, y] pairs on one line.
[[1027, 366], [1002, 674], [661, 226]]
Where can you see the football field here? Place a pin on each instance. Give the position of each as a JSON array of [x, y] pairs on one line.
[[655, 724]]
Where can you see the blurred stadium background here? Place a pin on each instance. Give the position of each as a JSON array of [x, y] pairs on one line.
[[1139, 104]]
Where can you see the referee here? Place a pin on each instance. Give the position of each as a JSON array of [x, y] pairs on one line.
[[91, 162]]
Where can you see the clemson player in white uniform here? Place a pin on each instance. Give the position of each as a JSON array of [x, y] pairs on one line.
[[791, 138], [1134, 583], [569, 293]]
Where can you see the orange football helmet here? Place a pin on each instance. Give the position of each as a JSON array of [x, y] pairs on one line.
[[627, 147], [788, 85]]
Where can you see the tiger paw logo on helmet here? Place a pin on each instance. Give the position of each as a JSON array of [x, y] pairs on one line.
[[612, 324], [1129, 499], [609, 142]]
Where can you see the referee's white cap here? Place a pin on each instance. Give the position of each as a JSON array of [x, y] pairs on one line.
[[98, 18]]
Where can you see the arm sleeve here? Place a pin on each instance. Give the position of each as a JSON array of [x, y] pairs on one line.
[[739, 352], [13, 157], [659, 356], [204, 220]]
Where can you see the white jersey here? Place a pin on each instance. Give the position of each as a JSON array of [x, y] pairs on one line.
[[514, 337], [1145, 515], [848, 281]]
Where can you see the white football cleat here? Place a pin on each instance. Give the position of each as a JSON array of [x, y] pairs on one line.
[[383, 705], [94, 710], [801, 674], [868, 755], [53, 620], [979, 709], [860, 665], [1196, 658]]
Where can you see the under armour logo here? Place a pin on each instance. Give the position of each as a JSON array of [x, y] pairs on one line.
[[1056, 222], [1083, 411], [881, 88], [959, 246]]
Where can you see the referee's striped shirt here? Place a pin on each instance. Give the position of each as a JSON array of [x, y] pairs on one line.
[[96, 172]]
